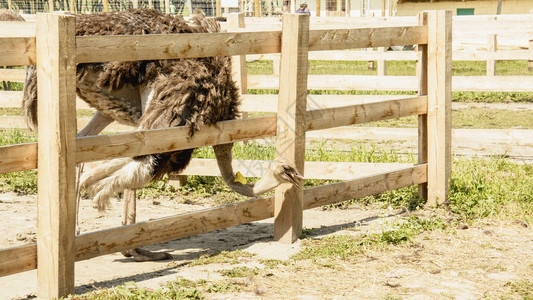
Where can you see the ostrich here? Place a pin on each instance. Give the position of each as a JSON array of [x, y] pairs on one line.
[[155, 94]]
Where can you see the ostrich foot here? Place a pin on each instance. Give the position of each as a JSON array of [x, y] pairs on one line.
[[140, 255]]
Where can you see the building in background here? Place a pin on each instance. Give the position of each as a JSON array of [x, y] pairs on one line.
[[464, 7]]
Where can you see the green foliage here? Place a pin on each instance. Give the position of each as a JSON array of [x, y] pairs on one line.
[[240, 272], [227, 257], [522, 288], [345, 247], [491, 187], [16, 136], [178, 289]]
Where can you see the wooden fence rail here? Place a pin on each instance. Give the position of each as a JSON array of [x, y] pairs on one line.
[[59, 150]]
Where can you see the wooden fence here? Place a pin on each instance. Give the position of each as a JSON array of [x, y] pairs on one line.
[[56, 50]]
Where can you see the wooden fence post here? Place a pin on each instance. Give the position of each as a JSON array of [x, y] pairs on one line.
[[290, 140], [318, 8], [439, 105], [239, 73], [106, 5], [491, 48], [51, 5], [422, 74], [56, 73]]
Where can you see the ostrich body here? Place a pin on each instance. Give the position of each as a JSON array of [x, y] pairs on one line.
[[155, 94]]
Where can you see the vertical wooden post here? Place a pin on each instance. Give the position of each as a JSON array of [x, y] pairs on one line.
[[269, 8], [106, 5], [492, 45], [382, 63], [293, 6], [9, 4], [135, 3], [72, 6], [257, 8], [339, 8], [422, 74], [167, 7], [318, 8], [347, 8], [439, 105], [218, 8], [56, 223], [383, 7], [150, 4], [51, 5], [239, 73], [290, 140]]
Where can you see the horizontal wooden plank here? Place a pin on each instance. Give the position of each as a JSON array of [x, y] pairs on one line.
[[365, 113], [366, 37], [366, 186], [313, 169], [172, 139], [10, 99], [17, 51], [16, 75], [89, 245], [18, 259], [168, 46], [20, 157], [342, 82], [400, 83], [269, 102], [17, 29]]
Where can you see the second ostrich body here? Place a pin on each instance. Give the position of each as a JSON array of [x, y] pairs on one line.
[[156, 94]]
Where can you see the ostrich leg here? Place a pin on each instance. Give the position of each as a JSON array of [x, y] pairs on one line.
[[129, 215]]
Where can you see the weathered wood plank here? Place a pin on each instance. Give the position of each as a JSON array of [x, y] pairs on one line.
[[313, 169], [365, 113], [366, 186], [439, 128], [165, 46], [56, 222], [422, 74], [146, 233], [17, 51], [291, 124], [17, 75], [366, 37]]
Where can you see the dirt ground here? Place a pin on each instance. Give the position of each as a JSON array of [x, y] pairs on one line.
[[471, 263]]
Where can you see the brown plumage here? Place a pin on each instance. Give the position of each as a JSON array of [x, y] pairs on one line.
[[191, 92], [9, 15]]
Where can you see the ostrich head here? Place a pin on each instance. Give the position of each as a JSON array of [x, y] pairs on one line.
[[283, 171]]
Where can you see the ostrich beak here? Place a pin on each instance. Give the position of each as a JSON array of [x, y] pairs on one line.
[[292, 175]]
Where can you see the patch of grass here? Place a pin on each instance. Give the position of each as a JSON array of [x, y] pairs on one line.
[[491, 187], [226, 257], [178, 289], [345, 247], [239, 272], [522, 288], [273, 263], [16, 136]]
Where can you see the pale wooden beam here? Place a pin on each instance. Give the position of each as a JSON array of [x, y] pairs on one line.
[[492, 45], [291, 124], [106, 5], [56, 222], [439, 105], [422, 74], [318, 8], [239, 71]]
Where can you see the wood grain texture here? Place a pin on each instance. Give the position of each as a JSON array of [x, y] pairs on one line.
[[291, 124], [56, 222], [439, 105], [17, 75], [89, 245], [17, 51], [168, 46], [422, 74]]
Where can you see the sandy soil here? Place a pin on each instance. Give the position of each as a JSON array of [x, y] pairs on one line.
[[471, 263]]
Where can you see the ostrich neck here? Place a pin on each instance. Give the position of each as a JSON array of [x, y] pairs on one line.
[[224, 159]]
